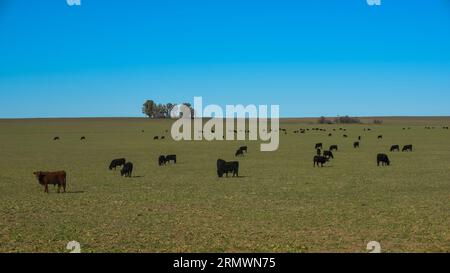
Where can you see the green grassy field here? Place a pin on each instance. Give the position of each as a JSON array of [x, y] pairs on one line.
[[280, 204]]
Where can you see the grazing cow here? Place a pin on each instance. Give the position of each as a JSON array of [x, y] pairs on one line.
[[328, 154], [356, 145], [319, 146], [383, 159], [83, 138], [330, 134], [170, 158], [333, 148], [163, 137], [320, 160], [127, 170], [380, 137], [395, 148], [52, 178], [244, 149], [224, 167], [239, 153], [345, 136], [162, 160], [56, 138], [117, 163], [407, 148], [156, 138]]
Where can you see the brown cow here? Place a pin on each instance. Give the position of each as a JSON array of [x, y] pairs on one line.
[[52, 178]]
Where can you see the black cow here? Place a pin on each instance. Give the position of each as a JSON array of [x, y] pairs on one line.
[[333, 148], [320, 160], [407, 148], [395, 148], [383, 159], [239, 153], [328, 154], [163, 137], [162, 160], [380, 137], [83, 138], [156, 138], [127, 170], [171, 158], [356, 145], [117, 163], [330, 135], [56, 138], [359, 138], [244, 149], [345, 136], [319, 146], [224, 167]]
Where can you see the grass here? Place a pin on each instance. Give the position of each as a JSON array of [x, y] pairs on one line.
[[281, 204]]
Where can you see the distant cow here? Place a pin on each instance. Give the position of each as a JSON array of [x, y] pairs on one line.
[[117, 163], [383, 159], [356, 145], [163, 137], [224, 167], [244, 149], [83, 138], [162, 160], [56, 138], [319, 146], [380, 137], [320, 160], [330, 134], [333, 148], [156, 138], [239, 153], [359, 138], [407, 148], [52, 178], [395, 148], [170, 158], [328, 154], [345, 136], [127, 170]]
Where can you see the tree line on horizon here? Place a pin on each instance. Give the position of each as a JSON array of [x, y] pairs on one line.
[[161, 111]]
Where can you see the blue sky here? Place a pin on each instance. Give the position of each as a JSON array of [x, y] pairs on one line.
[[321, 57]]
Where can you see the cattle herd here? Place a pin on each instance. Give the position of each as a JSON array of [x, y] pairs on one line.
[[59, 178]]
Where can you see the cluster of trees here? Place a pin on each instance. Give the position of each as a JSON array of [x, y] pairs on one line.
[[339, 120], [161, 111]]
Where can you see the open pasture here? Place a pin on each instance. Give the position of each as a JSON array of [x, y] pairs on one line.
[[281, 203]]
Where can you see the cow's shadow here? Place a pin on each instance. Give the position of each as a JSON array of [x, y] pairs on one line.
[[74, 192]]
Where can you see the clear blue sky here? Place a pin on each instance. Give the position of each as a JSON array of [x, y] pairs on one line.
[[317, 57]]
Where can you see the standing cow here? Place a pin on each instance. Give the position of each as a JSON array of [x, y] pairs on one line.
[[383, 159], [407, 148], [395, 148], [52, 178], [127, 170], [320, 160], [224, 167]]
